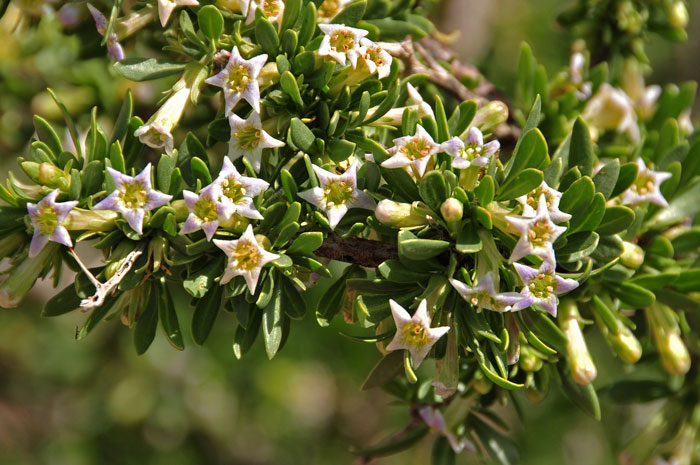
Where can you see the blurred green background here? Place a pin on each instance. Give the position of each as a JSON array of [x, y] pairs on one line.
[[95, 401]]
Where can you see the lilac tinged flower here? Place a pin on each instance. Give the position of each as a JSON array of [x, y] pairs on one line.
[[646, 187], [133, 197], [166, 8], [47, 218], [239, 80], [156, 132], [206, 209], [415, 151], [113, 47], [337, 194], [375, 58], [238, 191], [414, 333], [434, 419], [472, 152], [329, 9], [341, 43], [537, 234], [484, 295], [245, 258], [542, 285], [531, 200], [248, 138]]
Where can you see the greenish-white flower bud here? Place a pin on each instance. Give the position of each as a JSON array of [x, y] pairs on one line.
[[490, 115], [632, 255], [583, 370], [90, 220], [674, 354], [263, 241], [678, 15], [398, 215], [480, 383], [626, 345], [529, 361], [452, 210]]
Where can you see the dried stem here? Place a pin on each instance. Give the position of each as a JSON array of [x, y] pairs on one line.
[[363, 252]]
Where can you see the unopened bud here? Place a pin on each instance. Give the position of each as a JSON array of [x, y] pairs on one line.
[[31, 168], [263, 241], [398, 215], [678, 15], [236, 223], [632, 255], [529, 361], [674, 354], [90, 220], [452, 210], [583, 370], [490, 115], [480, 383], [52, 176], [626, 345]]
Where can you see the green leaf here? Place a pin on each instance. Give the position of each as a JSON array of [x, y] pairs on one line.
[[581, 148], [615, 220], [148, 322], [499, 447], [682, 206], [266, 35], [200, 171], [397, 272], [331, 302], [606, 178], [632, 295], [628, 173], [688, 280], [578, 196], [441, 120], [69, 123], [462, 117], [468, 241], [293, 301], [245, 336], [121, 125], [656, 281], [92, 177], [306, 243], [396, 30], [520, 184], [351, 14], [578, 246], [589, 219], [300, 135], [199, 282], [533, 120], [340, 149], [47, 135], [485, 191], [638, 391], [146, 69], [433, 189], [290, 87], [211, 21], [401, 183], [531, 152], [168, 317], [65, 301], [384, 371], [412, 248], [205, 313], [273, 323], [688, 241], [291, 13], [308, 24]]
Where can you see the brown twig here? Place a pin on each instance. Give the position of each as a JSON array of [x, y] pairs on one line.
[[363, 252]]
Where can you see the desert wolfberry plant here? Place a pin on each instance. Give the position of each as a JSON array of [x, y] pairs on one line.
[[477, 236]]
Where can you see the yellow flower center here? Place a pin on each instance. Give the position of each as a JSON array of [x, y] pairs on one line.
[[414, 335], [328, 9], [271, 8], [644, 184], [248, 137], [533, 198], [540, 234], [247, 255], [239, 78], [205, 210], [543, 285], [416, 148], [342, 41], [337, 193], [233, 189], [134, 195], [48, 219]]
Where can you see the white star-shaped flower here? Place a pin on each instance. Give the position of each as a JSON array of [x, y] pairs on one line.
[[537, 234], [531, 200], [133, 197], [245, 258], [239, 80], [611, 109], [238, 191], [483, 295], [472, 152], [424, 108], [375, 58], [337, 194], [166, 8], [47, 218], [414, 333], [542, 285], [206, 210], [113, 46], [248, 138], [646, 187], [341, 43], [415, 151]]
